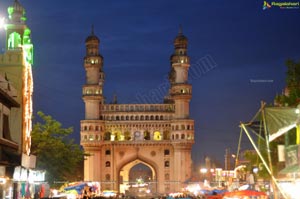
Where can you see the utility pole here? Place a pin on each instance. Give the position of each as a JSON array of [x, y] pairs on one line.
[[227, 159]]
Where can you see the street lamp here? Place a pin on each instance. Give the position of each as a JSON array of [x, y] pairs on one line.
[[203, 172]]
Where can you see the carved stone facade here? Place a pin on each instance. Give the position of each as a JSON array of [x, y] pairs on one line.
[[118, 137]]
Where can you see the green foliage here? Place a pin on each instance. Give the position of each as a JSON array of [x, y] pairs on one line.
[[255, 161], [56, 153], [292, 85]]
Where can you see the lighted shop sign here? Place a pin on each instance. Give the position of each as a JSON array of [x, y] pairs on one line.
[[23, 174]]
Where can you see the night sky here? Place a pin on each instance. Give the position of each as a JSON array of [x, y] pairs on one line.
[[247, 45]]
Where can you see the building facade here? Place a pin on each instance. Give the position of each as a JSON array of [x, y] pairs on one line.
[[15, 64], [9, 156], [119, 137]]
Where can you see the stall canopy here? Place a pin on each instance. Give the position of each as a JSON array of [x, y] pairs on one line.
[[280, 120], [78, 187]]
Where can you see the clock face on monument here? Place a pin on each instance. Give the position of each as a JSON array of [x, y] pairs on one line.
[[137, 134]]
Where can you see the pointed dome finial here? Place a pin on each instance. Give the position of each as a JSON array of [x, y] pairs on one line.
[[180, 30], [92, 33], [92, 36], [180, 40]]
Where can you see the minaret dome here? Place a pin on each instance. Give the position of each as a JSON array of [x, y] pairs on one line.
[[92, 37], [180, 41], [16, 12]]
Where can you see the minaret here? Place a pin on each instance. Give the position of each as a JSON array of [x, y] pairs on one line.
[[93, 98], [92, 90], [180, 94], [181, 90], [17, 62]]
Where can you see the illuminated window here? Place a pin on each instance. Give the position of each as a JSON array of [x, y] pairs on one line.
[[127, 135], [91, 137], [14, 40], [157, 135], [147, 135], [166, 135]]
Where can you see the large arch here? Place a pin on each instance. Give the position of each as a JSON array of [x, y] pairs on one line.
[[127, 186]]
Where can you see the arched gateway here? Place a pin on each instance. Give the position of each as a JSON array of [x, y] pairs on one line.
[[138, 148], [137, 178]]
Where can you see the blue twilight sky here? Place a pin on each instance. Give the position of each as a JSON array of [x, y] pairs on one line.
[[243, 42]]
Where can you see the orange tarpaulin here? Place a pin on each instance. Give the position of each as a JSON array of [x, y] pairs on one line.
[[245, 193], [218, 196]]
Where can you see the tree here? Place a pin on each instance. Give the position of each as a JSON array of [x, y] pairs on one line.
[[256, 162], [291, 97], [56, 153]]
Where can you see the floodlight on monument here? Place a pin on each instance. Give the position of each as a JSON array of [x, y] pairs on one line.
[[2, 22]]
